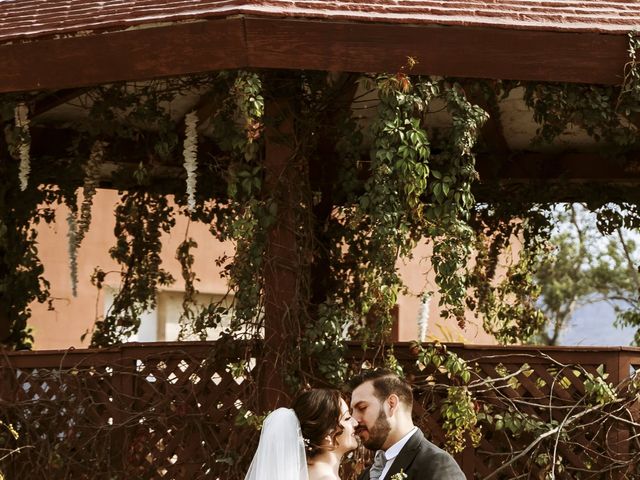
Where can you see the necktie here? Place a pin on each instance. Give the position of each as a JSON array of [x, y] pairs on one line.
[[379, 462]]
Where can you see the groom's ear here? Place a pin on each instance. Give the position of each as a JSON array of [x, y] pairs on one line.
[[393, 402]]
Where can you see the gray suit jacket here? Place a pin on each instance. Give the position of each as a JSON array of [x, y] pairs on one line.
[[422, 460]]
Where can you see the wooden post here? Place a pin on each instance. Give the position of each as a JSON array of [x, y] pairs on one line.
[[622, 432], [126, 379], [282, 263]]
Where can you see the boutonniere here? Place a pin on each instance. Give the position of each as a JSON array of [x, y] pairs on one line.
[[399, 476]]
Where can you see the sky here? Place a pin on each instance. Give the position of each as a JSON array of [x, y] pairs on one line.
[[592, 325]]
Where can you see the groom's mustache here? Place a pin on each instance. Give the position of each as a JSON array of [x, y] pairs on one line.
[[360, 428]]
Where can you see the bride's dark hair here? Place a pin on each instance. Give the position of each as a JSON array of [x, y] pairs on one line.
[[318, 411]]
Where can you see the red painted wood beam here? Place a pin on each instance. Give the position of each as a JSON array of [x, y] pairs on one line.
[[447, 51], [564, 168], [142, 54], [568, 177], [249, 42]]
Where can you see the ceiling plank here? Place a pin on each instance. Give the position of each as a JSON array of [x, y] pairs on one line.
[[50, 101]]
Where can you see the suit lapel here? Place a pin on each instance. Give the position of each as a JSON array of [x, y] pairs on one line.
[[406, 455]]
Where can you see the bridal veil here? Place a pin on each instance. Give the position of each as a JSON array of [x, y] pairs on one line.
[[280, 454]]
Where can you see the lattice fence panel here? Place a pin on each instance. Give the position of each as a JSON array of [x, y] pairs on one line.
[[137, 413], [205, 399], [71, 411], [545, 387], [169, 411]]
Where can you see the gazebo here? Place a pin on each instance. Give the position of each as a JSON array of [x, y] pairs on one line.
[[62, 48]]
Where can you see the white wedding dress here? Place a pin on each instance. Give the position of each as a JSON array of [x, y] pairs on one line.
[[280, 454]]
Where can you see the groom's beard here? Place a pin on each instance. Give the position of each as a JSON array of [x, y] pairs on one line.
[[378, 433]]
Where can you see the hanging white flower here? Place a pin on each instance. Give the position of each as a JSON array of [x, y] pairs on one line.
[[21, 114], [423, 316], [73, 252], [191, 157], [92, 176]]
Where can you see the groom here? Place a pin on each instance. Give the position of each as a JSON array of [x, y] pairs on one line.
[[382, 404]]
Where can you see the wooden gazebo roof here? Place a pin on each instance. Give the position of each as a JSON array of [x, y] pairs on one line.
[[51, 44], [35, 18]]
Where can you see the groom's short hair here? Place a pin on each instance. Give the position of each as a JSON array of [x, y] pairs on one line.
[[385, 382]]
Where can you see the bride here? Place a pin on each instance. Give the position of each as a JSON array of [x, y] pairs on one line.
[[306, 441]]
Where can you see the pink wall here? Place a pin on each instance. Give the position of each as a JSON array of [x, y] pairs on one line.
[[72, 316], [418, 276]]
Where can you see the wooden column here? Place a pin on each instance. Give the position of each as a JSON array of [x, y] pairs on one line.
[[621, 433], [282, 263]]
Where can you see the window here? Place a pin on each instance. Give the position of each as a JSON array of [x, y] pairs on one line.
[[162, 323]]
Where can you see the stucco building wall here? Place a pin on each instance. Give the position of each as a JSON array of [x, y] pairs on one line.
[[72, 316]]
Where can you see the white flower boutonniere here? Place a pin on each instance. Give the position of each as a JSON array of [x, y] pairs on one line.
[[399, 476]]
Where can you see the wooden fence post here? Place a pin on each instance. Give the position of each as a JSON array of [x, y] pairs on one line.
[[621, 433], [126, 378]]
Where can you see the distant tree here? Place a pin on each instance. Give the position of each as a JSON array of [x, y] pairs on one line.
[[594, 259]]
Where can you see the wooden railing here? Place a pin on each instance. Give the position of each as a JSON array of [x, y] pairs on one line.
[[175, 410]]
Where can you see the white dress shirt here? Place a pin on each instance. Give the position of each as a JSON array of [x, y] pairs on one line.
[[394, 450]]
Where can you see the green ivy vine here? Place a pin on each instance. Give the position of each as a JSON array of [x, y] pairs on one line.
[[141, 217], [370, 189]]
